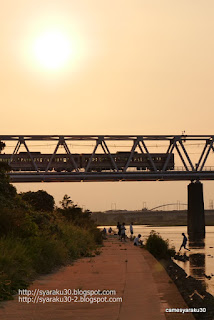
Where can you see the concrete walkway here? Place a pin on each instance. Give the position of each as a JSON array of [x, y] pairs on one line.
[[137, 277]]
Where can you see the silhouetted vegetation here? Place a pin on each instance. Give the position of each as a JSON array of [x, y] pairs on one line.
[[159, 247]]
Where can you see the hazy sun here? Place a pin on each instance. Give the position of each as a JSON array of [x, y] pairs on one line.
[[52, 49]]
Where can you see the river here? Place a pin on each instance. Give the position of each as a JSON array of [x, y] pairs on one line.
[[201, 260]]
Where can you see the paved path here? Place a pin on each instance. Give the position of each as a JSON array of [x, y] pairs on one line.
[[137, 277]]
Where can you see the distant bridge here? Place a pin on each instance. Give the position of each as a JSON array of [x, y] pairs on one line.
[[178, 204], [137, 163]]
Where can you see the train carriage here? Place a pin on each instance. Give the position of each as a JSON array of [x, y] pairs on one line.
[[99, 162]]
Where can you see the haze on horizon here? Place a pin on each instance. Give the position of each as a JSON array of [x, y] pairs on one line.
[[108, 67]]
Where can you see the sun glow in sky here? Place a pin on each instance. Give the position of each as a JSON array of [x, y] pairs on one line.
[[51, 44], [108, 67], [52, 49]]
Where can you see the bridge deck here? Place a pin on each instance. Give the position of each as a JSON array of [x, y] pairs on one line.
[[98, 177]]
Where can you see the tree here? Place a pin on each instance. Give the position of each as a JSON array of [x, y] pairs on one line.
[[66, 202], [2, 146], [39, 200], [7, 191], [4, 167]]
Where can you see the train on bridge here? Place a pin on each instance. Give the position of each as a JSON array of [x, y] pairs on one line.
[[98, 162]]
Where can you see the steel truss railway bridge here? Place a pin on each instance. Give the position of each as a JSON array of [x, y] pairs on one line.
[[177, 147]]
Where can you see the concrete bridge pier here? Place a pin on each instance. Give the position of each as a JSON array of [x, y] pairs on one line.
[[195, 216]]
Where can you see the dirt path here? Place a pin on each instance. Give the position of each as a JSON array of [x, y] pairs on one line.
[[137, 277]]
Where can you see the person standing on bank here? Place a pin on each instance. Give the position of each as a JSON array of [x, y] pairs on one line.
[[119, 229], [131, 230], [184, 242], [123, 232]]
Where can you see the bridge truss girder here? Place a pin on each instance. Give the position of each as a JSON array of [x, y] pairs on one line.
[[176, 143]]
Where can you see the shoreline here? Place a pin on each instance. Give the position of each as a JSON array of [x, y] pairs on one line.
[[191, 289]]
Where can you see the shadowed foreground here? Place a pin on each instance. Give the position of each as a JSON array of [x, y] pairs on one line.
[[143, 284]]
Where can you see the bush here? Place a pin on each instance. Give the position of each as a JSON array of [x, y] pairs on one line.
[[159, 247], [46, 253], [78, 241], [16, 222], [15, 265]]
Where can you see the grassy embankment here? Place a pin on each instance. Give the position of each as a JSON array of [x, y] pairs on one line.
[[35, 242]]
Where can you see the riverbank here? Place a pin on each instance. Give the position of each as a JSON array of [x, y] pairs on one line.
[[153, 218], [142, 283]]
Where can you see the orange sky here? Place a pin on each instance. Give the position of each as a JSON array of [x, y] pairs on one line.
[[138, 67]]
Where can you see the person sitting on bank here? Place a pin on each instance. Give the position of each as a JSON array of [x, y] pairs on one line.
[[110, 230], [137, 241], [184, 242]]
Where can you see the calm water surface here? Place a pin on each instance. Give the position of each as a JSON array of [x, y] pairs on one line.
[[201, 260]]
